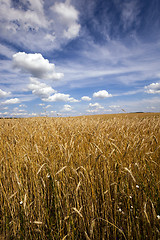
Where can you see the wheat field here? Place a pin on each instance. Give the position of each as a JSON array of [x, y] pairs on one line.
[[89, 177]]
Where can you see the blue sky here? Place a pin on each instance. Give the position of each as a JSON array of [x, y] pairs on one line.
[[69, 58]]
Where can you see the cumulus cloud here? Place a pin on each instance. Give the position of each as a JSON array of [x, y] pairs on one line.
[[102, 94], [36, 65], [42, 90], [68, 16], [67, 108], [47, 93], [96, 105], [153, 88], [11, 101], [94, 108], [86, 98], [60, 97], [3, 93]]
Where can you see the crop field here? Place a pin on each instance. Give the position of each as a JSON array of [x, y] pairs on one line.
[[89, 177]]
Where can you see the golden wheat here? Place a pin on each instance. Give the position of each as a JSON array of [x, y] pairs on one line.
[[94, 177]]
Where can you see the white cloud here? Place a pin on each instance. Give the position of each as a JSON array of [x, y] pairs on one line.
[[11, 101], [66, 11], [92, 110], [53, 112], [47, 93], [36, 65], [17, 111], [96, 105], [72, 31], [5, 113], [86, 98], [48, 106], [6, 51], [22, 105], [33, 114], [18, 19], [60, 97], [3, 93], [50, 37], [108, 110], [16, 114], [68, 16], [42, 90], [67, 108], [114, 106], [153, 88], [37, 5], [102, 94], [46, 27]]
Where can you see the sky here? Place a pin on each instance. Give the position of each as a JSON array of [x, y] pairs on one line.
[[79, 57]]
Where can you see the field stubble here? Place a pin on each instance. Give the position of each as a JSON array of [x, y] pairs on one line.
[[95, 177]]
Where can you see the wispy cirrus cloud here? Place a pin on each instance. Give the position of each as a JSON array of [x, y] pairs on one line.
[[130, 13]]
